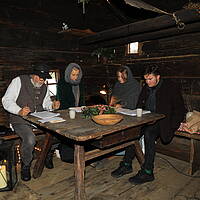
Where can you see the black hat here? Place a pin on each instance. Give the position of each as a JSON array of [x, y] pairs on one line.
[[42, 71]]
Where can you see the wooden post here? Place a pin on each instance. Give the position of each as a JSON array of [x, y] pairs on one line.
[[138, 152], [79, 170], [39, 165]]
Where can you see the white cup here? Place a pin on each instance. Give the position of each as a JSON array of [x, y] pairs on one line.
[[139, 112], [72, 113]]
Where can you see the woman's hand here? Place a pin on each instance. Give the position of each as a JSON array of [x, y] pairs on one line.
[[56, 104], [118, 105]]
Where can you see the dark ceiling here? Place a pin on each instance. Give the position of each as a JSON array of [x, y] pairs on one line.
[[99, 14]]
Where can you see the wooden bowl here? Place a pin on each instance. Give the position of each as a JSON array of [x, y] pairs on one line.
[[107, 119]]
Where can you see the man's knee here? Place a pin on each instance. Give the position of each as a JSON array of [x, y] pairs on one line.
[[30, 141]]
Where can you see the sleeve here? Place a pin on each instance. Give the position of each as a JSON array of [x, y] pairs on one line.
[[47, 102], [178, 107], [10, 97], [65, 95], [141, 99]]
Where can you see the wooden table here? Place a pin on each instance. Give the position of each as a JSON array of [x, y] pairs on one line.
[[84, 131]]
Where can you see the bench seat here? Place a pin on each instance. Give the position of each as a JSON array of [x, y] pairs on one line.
[[184, 146]]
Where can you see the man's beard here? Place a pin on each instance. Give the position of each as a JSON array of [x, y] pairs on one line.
[[36, 85]]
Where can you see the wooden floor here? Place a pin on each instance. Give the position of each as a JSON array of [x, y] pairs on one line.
[[58, 183]]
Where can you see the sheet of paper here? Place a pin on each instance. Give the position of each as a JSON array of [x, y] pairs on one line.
[[44, 114], [130, 112], [52, 120]]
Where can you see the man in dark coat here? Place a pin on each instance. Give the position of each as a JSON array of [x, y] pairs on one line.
[[159, 96]]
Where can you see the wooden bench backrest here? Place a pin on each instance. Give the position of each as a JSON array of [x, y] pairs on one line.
[[14, 136]]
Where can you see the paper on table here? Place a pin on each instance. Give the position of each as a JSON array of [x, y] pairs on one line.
[[130, 112], [44, 114], [52, 120]]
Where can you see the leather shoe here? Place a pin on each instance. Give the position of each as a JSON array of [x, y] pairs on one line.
[[25, 172], [124, 168]]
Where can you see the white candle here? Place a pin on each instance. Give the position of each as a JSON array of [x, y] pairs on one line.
[[3, 178]]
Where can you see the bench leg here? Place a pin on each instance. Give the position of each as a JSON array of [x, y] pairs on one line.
[[194, 156], [39, 165]]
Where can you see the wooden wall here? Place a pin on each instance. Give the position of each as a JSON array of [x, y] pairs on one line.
[[178, 57]]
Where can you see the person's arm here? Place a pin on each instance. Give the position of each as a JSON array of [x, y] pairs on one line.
[[178, 107], [10, 97], [48, 104]]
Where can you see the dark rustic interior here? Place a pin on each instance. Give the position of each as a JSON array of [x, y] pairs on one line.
[[97, 37], [31, 32]]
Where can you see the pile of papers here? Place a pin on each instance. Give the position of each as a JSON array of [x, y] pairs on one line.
[[46, 116], [130, 112]]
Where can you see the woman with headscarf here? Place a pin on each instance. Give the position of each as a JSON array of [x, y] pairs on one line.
[[125, 94], [126, 91], [70, 94], [69, 88]]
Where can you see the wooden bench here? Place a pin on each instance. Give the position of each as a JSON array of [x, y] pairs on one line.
[[13, 137], [184, 146]]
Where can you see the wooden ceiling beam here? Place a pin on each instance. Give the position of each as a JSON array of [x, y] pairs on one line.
[[164, 22], [189, 28]]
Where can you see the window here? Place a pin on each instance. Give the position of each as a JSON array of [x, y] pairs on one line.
[[52, 83], [133, 48]]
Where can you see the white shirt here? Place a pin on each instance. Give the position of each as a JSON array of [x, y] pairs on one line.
[[10, 97]]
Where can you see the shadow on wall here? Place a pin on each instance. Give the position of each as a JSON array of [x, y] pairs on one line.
[[95, 100]]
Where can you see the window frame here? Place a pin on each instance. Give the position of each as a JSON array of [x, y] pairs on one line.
[[57, 76]]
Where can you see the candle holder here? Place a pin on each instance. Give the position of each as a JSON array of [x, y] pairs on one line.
[[8, 172]]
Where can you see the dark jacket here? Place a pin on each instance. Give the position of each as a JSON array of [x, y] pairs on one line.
[[65, 95], [169, 102]]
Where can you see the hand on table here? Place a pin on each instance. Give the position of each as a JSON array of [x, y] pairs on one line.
[[24, 111], [56, 104]]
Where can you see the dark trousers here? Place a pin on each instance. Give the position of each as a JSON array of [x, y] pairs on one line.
[[151, 133], [25, 132]]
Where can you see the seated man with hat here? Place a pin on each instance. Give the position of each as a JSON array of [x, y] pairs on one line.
[[26, 94]]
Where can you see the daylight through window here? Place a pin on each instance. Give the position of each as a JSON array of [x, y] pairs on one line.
[[52, 83], [133, 48]]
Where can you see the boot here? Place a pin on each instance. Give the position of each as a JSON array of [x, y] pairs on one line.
[[49, 160], [124, 168], [25, 172]]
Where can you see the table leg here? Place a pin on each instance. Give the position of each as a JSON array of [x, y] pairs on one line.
[[138, 152], [39, 165], [79, 170]]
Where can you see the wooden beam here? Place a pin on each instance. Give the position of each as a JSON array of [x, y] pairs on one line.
[[142, 27], [161, 58], [173, 31]]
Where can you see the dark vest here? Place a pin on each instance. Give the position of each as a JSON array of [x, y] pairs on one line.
[[29, 96]]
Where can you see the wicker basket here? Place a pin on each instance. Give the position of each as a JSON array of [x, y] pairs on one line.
[[107, 119]]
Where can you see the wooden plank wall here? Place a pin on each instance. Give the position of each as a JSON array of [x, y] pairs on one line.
[[178, 57]]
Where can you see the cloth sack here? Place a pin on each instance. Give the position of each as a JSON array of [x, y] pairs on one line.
[[192, 124]]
